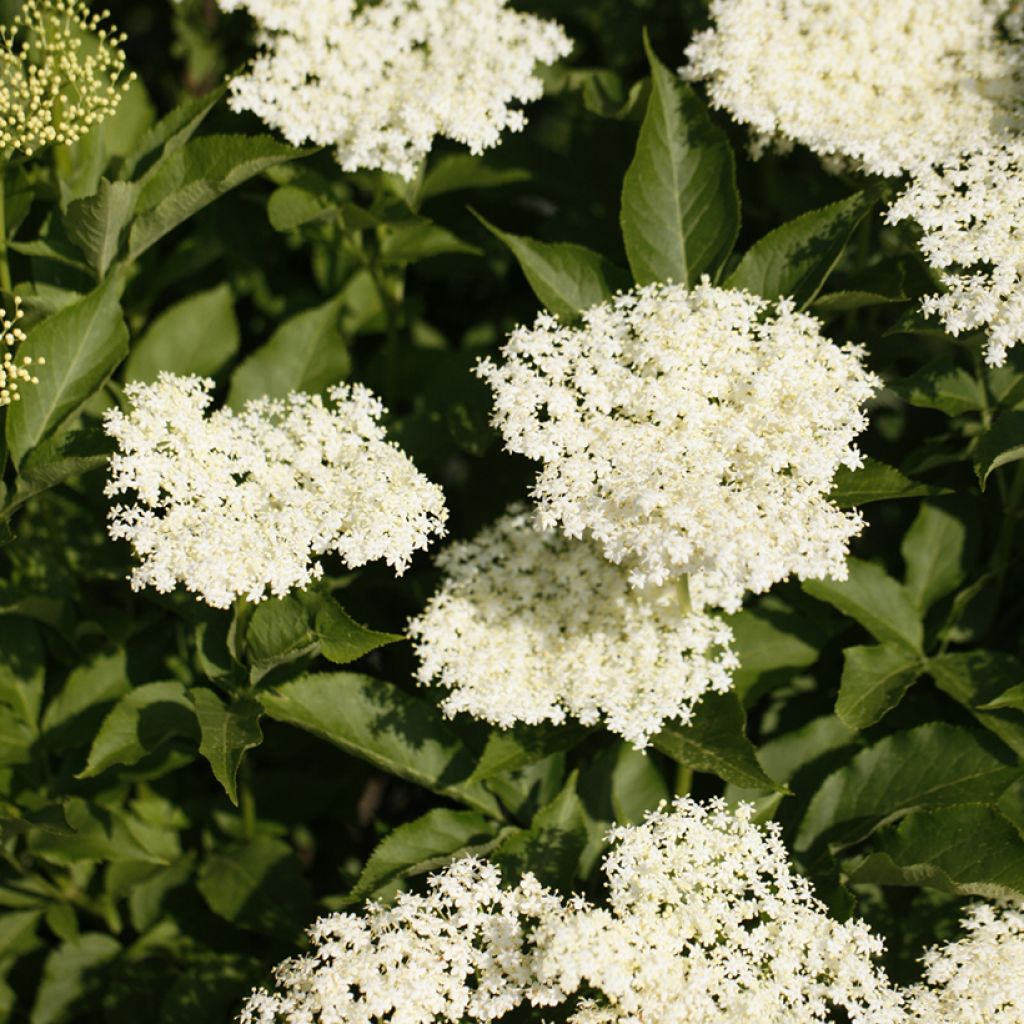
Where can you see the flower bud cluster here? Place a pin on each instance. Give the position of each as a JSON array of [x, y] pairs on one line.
[[14, 371]]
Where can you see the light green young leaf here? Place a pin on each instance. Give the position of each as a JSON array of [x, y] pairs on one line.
[[930, 766], [875, 679], [1000, 445], [142, 720], [715, 742], [376, 721], [936, 553], [567, 278], [680, 208], [198, 335], [226, 732], [423, 845], [875, 481], [82, 345], [796, 259], [872, 597], [97, 222], [306, 353], [966, 850]]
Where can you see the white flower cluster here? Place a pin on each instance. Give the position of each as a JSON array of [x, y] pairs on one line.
[[62, 73], [379, 81], [706, 922], [892, 85], [236, 504], [689, 432], [14, 372], [528, 626], [978, 979], [971, 212]]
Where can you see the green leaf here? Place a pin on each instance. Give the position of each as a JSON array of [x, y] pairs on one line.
[[966, 850], [875, 679], [715, 742], [257, 885], [550, 848], [97, 223], [192, 177], [872, 597], [378, 722], [875, 481], [936, 552], [930, 766], [70, 974], [943, 386], [680, 209], [1000, 445], [22, 668], [520, 745], [140, 722], [226, 732], [636, 785], [460, 171], [89, 690], [420, 239], [198, 335], [306, 353], [567, 278], [796, 259], [342, 639], [98, 834], [59, 458], [423, 845], [292, 206], [82, 345]]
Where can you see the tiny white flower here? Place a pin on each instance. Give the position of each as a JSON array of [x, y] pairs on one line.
[[239, 504]]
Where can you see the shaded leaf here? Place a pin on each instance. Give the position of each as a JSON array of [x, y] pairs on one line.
[[1000, 445], [61, 457], [70, 974], [875, 679], [943, 386], [97, 222], [459, 171], [875, 481], [420, 239], [226, 732], [936, 553], [520, 745]]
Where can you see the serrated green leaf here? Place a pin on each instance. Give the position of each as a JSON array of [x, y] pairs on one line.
[[378, 722], [1000, 445], [97, 222], [59, 458], [875, 481], [198, 335], [796, 259], [193, 176], [966, 850], [520, 745], [680, 209], [930, 766], [715, 741], [306, 353], [139, 722], [425, 844], [567, 278], [342, 639], [226, 732], [875, 679], [872, 597], [82, 345], [936, 551], [943, 386]]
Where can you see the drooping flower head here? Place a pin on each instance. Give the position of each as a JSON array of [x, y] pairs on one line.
[[379, 81], [970, 212], [529, 626], [236, 504], [689, 432], [63, 72], [889, 85], [979, 979], [14, 371]]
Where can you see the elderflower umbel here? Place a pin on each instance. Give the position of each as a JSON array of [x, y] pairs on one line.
[[462, 951], [890, 85], [978, 979], [970, 213], [707, 922], [235, 504], [378, 81], [62, 74], [529, 626], [689, 431], [14, 371]]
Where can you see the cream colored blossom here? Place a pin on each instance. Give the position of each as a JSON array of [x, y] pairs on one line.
[[689, 432], [63, 72], [236, 504], [890, 85], [978, 979], [529, 626], [380, 81], [970, 212], [14, 371]]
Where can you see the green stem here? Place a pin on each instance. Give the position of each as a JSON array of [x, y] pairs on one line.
[[246, 800], [5, 267]]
